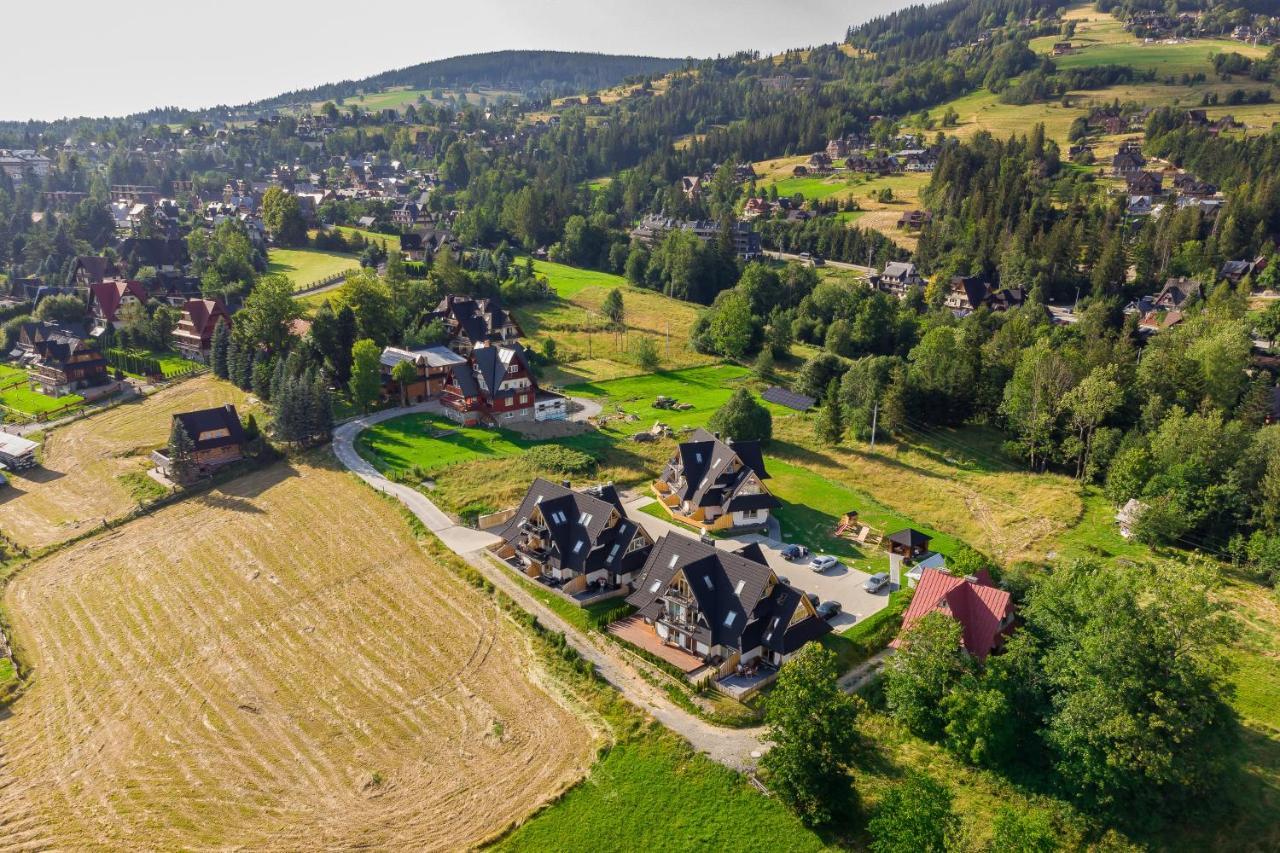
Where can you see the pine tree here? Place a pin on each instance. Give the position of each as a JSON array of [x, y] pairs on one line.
[[285, 424], [220, 351], [182, 466], [235, 360], [830, 422], [278, 377], [263, 371], [244, 379]]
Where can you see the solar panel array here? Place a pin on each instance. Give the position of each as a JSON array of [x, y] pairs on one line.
[[790, 399]]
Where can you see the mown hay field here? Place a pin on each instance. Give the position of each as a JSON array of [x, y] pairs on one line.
[[277, 664], [78, 483]]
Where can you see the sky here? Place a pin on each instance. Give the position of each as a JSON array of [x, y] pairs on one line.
[[87, 57]]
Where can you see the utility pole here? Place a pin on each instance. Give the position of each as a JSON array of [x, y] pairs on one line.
[[875, 416], [668, 339]]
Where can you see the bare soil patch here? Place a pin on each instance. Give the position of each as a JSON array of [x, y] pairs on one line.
[[276, 665]]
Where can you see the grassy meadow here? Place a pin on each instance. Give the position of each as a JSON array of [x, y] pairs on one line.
[[306, 267], [28, 402]]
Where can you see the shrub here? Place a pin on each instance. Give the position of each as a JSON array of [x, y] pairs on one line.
[[560, 460]]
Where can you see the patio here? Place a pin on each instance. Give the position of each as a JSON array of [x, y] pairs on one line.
[[637, 633]]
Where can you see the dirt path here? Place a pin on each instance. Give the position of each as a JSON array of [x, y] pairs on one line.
[[735, 748]]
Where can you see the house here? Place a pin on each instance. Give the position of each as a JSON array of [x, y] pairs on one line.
[[1155, 321], [108, 297], [1129, 515], [61, 359], [17, 453], [1140, 205], [193, 336], [966, 294], [1127, 162], [984, 611], [1175, 292], [217, 439], [819, 162], [897, 278], [716, 484], [88, 270], [907, 543], [1236, 271], [472, 322], [1145, 183], [405, 215], [412, 248], [1061, 48], [837, 149], [691, 186], [717, 613], [496, 386], [434, 364], [1197, 118], [934, 561], [579, 542], [654, 228], [914, 220]]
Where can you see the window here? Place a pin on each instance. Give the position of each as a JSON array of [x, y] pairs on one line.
[[698, 458], [675, 558], [653, 587], [524, 398], [577, 546], [707, 580], [729, 618], [737, 590], [613, 552], [585, 519]]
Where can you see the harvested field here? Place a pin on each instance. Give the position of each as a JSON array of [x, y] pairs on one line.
[[78, 485], [277, 665]]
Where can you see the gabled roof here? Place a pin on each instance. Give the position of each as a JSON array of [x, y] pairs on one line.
[[109, 294], [979, 607], [910, 538], [429, 356], [204, 314], [222, 419], [578, 526], [493, 362], [741, 603], [705, 461], [1176, 291]]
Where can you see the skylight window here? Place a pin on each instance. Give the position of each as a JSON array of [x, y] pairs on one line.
[[586, 519], [737, 590], [577, 546], [675, 558], [698, 458], [729, 617], [707, 580], [653, 587], [613, 552]]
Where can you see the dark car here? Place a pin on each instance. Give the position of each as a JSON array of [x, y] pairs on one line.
[[795, 552], [813, 598], [829, 609]]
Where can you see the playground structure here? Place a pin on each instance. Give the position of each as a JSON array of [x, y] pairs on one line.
[[851, 527]]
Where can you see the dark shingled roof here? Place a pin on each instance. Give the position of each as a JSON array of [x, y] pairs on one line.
[[212, 420], [705, 461], [581, 517], [909, 538], [724, 583]]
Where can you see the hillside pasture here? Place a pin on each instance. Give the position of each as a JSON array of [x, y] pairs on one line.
[[78, 483], [279, 665], [306, 267]]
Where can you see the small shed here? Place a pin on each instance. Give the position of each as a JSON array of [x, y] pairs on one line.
[[16, 452], [907, 543]]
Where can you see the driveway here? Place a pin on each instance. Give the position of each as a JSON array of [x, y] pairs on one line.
[[841, 583]]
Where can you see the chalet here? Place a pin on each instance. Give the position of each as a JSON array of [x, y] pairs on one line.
[[1197, 118], [61, 359], [755, 208], [1140, 205], [966, 294], [716, 484], [914, 220], [217, 438], [411, 246], [405, 215], [1236, 271], [984, 611], [577, 541], [897, 278], [1157, 321], [711, 608], [819, 162], [1061, 48], [108, 297], [472, 322], [800, 171], [1175, 292], [434, 364], [837, 149], [496, 386], [1190, 186], [691, 186], [654, 228], [88, 270], [1144, 183], [1127, 162], [193, 336]]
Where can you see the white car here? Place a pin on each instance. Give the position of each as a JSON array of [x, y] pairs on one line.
[[822, 563]]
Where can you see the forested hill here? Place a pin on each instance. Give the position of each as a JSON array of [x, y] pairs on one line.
[[542, 72]]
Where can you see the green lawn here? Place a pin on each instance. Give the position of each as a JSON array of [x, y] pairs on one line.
[[171, 364], [567, 281], [653, 793], [812, 505], [392, 240], [305, 267], [406, 442], [705, 388], [27, 401]]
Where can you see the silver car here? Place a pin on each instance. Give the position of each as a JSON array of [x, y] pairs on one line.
[[876, 582]]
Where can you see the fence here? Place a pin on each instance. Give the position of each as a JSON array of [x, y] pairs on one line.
[[324, 282]]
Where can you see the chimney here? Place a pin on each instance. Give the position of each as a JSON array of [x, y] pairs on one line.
[[564, 483], [708, 539], [717, 435]]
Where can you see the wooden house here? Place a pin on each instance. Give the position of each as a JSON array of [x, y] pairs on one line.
[[193, 337], [433, 365], [108, 297], [61, 359], [217, 438], [716, 484]]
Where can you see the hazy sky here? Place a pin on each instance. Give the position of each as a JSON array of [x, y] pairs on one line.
[[88, 57]]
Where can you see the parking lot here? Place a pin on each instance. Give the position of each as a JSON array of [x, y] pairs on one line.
[[840, 583]]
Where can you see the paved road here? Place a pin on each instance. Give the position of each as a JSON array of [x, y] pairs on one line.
[[839, 265], [735, 748]]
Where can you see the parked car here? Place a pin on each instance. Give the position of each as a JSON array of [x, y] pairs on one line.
[[829, 609], [876, 581], [822, 563], [784, 579], [813, 598], [795, 552]]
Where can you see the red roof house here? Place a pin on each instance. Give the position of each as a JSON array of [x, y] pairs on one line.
[[984, 611], [106, 298], [193, 336]]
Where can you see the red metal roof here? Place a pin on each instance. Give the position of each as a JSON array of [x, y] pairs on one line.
[[979, 607]]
